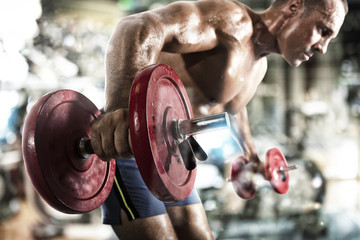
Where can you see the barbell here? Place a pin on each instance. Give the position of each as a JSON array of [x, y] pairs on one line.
[[59, 158]]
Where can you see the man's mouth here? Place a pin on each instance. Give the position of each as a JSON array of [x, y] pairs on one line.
[[308, 55]]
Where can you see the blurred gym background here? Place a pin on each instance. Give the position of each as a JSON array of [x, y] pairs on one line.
[[311, 113]]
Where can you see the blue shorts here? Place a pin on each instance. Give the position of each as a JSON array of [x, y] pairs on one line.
[[130, 194]]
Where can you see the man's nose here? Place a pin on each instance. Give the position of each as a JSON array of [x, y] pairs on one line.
[[321, 46]]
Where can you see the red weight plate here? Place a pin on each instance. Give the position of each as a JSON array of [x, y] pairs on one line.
[[242, 185], [279, 179], [157, 98], [52, 130]]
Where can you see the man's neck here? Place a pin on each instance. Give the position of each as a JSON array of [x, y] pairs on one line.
[[266, 27]]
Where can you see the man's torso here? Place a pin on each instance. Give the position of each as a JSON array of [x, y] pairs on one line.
[[224, 78]]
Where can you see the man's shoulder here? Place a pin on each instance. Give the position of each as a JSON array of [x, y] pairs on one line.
[[224, 11], [221, 5]]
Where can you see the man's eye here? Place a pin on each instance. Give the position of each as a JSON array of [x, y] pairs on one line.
[[324, 32]]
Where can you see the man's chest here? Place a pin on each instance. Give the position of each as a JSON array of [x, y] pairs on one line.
[[216, 77]]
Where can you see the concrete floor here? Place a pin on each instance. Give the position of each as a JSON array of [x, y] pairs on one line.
[[23, 224]]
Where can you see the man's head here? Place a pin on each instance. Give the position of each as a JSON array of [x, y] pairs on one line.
[[311, 4], [309, 27]]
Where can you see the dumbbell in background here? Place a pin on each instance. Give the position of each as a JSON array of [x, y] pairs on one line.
[[245, 175]]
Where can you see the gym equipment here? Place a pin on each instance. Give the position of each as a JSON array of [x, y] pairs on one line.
[[240, 174], [65, 179], [70, 178], [161, 129], [276, 171]]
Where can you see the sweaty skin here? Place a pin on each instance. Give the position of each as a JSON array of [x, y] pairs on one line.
[[218, 48]]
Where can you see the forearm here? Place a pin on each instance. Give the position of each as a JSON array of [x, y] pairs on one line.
[[241, 130]]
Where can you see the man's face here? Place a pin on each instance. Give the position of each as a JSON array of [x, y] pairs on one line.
[[305, 33]]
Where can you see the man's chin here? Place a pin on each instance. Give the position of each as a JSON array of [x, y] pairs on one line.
[[294, 63]]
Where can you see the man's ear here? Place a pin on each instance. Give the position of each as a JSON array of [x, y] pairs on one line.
[[293, 7]]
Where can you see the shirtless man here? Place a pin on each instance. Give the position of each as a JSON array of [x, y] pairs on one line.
[[219, 49]]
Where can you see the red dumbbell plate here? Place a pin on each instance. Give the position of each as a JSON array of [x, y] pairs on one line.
[[157, 98], [240, 174], [274, 162], [52, 130]]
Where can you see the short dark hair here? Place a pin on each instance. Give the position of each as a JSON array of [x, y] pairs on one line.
[[310, 4]]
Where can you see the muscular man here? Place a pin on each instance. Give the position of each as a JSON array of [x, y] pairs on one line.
[[219, 49]]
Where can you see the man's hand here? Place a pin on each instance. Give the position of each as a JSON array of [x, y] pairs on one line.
[[253, 159], [110, 135]]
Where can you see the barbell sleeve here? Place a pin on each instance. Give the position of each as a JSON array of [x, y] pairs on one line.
[[188, 127], [84, 148]]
